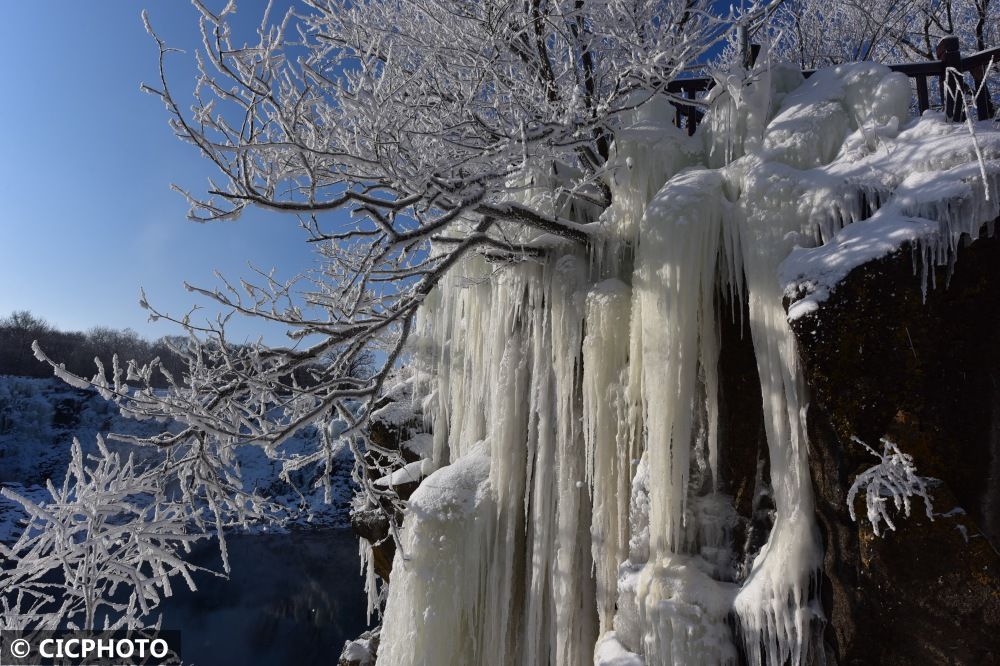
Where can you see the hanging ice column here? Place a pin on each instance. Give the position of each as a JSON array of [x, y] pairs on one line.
[[690, 235], [680, 603], [677, 601], [776, 603], [502, 356], [610, 448]]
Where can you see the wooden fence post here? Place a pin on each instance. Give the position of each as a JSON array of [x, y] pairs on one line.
[[951, 82], [923, 99], [692, 112]]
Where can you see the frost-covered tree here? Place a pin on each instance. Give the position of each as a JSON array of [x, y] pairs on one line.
[[384, 126], [894, 477], [402, 136], [100, 553], [817, 33]]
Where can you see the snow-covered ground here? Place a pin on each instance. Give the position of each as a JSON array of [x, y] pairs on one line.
[[40, 417]]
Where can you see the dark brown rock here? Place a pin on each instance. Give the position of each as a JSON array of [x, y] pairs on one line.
[[881, 362], [373, 525], [390, 436], [744, 472], [741, 415], [387, 453]]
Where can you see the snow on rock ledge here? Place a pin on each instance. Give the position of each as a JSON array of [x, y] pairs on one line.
[[930, 187]]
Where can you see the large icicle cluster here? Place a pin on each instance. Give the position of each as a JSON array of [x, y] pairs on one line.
[[576, 516]]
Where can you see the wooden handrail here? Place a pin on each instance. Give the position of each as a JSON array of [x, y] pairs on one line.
[[975, 64], [981, 59]]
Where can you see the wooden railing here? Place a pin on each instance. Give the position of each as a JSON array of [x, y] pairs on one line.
[[949, 69]]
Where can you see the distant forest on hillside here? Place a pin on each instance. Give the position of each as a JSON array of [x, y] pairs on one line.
[[77, 349]]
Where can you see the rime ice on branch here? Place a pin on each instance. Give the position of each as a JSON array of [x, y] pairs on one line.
[[417, 133]]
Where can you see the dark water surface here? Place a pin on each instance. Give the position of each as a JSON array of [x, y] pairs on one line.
[[291, 599]]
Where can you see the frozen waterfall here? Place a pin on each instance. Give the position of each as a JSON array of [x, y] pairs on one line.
[[575, 516]]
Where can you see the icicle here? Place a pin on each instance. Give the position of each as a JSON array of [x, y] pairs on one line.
[[538, 646], [674, 286], [609, 455], [576, 617], [366, 557], [774, 604]]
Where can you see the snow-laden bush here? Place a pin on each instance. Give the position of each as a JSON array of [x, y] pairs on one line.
[[101, 551], [893, 478], [105, 549]]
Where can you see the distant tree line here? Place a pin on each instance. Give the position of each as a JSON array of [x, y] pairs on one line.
[[78, 349]]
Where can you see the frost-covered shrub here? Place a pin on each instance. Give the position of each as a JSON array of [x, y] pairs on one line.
[[101, 551], [105, 549], [893, 478]]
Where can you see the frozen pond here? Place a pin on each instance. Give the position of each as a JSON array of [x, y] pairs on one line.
[[291, 599]]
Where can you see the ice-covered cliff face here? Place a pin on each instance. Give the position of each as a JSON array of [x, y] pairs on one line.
[[575, 516]]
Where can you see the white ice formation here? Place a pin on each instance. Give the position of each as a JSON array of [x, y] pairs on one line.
[[575, 516]]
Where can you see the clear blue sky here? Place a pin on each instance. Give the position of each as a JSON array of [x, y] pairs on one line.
[[86, 210]]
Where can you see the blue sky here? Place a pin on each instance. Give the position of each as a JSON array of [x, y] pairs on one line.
[[86, 210]]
